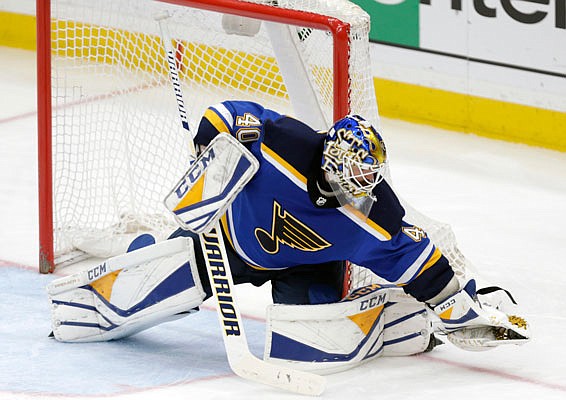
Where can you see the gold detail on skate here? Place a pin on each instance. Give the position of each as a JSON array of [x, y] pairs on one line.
[[508, 334], [518, 321]]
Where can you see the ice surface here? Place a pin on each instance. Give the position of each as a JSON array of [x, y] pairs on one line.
[[506, 203]]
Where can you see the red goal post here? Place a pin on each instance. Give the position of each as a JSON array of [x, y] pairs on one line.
[[340, 31], [100, 72]]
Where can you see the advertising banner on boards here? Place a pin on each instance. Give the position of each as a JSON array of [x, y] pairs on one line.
[[522, 34]]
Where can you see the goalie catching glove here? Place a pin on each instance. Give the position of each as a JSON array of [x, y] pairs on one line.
[[481, 320]]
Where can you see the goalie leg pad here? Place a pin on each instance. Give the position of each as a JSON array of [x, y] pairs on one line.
[[408, 325], [129, 300], [373, 321], [327, 338]]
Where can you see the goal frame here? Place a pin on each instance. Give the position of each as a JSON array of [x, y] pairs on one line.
[[339, 30]]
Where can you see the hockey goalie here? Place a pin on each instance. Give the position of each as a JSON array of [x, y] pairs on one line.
[[295, 205]]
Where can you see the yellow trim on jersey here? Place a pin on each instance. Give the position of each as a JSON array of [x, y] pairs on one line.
[[284, 163], [301, 178], [431, 261], [264, 269], [216, 121], [378, 228]]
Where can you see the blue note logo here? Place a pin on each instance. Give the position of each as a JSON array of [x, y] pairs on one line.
[[288, 230]]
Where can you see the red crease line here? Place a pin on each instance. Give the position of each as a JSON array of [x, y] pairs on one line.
[[493, 372]]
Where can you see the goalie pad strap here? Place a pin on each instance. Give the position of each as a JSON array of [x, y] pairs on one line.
[[128, 301]]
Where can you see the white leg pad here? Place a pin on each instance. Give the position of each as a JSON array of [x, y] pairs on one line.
[[327, 338], [129, 300], [408, 325]]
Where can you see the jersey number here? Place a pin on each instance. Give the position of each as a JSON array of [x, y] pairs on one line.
[[247, 134], [247, 120], [414, 232]]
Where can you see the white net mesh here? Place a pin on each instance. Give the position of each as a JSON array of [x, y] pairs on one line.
[[118, 147]]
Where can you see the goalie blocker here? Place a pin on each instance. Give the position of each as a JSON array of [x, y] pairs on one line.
[[211, 184]]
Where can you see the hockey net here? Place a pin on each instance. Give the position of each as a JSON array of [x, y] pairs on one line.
[[111, 145]]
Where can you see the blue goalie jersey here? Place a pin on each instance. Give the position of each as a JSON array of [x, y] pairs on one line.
[[282, 218]]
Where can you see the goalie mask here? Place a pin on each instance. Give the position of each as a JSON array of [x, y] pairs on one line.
[[354, 158]]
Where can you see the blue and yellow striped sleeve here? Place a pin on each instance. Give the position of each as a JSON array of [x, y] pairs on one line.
[[216, 119]]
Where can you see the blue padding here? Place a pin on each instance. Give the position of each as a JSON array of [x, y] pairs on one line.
[[289, 349], [470, 288], [401, 339], [141, 241], [180, 280]]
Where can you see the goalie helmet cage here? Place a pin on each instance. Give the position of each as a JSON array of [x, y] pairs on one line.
[[110, 144]]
